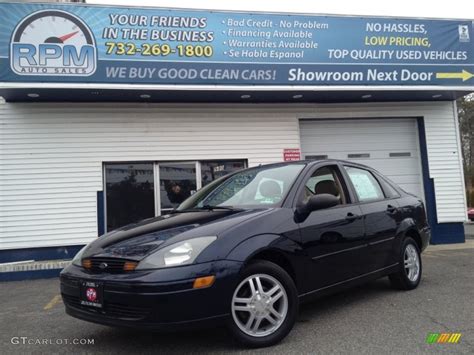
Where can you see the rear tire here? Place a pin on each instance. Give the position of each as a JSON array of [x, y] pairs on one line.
[[408, 275], [264, 305]]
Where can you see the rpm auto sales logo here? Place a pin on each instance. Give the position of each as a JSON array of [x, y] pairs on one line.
[[91, 294], [53, 43]]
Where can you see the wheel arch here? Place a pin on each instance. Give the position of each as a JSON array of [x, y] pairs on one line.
[[273, 248], [278, 258], [413, 233]]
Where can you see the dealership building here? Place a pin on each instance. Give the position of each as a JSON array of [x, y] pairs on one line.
[[111, 115]]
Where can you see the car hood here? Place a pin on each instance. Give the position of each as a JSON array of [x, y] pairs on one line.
[[138, 240]]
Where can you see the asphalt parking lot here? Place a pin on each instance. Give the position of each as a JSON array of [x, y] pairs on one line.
[[469, 230], [372, 319]]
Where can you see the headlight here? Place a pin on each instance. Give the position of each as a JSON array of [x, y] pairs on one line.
[[181, 253], [77, 258]]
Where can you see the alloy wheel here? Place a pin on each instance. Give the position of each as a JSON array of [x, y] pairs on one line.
[[259, 305], [411, 262]]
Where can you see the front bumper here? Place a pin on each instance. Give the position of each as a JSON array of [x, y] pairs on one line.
[[158, 299]]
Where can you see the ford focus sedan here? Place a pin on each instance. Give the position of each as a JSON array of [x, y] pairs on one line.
[[248, 248]]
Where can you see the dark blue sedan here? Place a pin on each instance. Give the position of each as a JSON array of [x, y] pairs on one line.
[[248, 248]]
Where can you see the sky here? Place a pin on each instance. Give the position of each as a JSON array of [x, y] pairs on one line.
[[463, 9]]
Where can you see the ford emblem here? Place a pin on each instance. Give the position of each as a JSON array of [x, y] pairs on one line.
[[103, 266]]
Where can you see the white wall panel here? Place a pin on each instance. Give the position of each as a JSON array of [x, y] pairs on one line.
[[51, 155]]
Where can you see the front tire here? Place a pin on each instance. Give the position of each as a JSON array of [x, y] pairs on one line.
[[264, 305], [409, 271]]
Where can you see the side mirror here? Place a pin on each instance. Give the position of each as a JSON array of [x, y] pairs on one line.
[[316, 202]]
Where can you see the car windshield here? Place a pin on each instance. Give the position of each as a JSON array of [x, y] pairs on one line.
[[255, 187]]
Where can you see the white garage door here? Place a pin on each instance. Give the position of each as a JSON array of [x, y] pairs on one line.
[[388, 145]]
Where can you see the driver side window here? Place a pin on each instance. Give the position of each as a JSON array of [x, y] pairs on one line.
[[325, 180]]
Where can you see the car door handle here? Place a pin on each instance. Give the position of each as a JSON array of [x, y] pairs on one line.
[[352, 217], [391, 209]]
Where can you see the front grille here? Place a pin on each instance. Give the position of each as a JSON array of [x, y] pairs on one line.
[[69, 281], [111, 265], [114, 310], [123, 311]]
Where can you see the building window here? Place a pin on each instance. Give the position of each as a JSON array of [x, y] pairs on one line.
[[136, 191], [177, 183], [129, 193], [399, 154], [212, 170], [358, 156], [316, 157]]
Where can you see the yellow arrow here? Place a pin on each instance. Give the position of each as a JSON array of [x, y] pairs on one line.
[[464, 75]]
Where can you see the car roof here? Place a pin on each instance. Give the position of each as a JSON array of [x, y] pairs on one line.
[[315, 162], [319, 162]]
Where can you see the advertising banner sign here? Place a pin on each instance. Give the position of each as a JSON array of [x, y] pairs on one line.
[[109, 45]]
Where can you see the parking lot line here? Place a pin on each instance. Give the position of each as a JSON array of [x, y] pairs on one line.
[[54, 301]]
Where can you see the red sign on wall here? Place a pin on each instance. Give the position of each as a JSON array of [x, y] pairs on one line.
[[291, 154]]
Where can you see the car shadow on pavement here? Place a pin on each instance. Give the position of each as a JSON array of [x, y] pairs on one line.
[[218, 339], [338, 301], [184, 341]]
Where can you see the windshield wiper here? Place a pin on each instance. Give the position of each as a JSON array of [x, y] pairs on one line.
[[205, 208], [211, 208]]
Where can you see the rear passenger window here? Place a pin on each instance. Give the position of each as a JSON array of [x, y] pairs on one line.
[[366, 186], [388, 188]]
